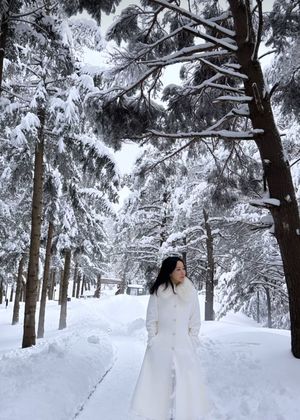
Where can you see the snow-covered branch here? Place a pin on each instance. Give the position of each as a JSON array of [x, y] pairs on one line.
[[224, 70], [222, 134], [205, 22], [227, 98], [176, 58]]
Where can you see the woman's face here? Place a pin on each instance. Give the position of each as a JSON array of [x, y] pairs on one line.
[[177, 276]]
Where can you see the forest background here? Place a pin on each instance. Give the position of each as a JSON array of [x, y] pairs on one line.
[[217, 178]]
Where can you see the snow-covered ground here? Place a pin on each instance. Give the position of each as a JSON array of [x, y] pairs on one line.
[[88, 371]]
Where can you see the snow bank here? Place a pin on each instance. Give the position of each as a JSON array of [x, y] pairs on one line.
[[53, 379]]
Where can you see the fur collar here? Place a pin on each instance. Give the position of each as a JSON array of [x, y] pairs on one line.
[[184, 290]]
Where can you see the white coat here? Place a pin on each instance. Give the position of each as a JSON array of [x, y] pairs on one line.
[[173, 324]]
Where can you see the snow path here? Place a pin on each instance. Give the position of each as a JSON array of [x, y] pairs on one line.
[[239, 376], [111, 398]]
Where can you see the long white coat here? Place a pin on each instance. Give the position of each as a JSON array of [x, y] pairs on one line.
[[173, 324]]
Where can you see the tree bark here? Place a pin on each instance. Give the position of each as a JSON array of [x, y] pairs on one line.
[[16, 310], [29, 337], [209, 283], [184, 256], [52, 284], [78, 285], [269, 307], [98, 287], [276, 167], [45, 286], [60, 286], [75, 280], [64, 295], [1, 292], [82, 285], [23, 291], [11, 296], [257, 307], [38, 290], [3, 39]]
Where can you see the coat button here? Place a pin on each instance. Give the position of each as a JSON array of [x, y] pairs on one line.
[[175, 305], [173, 348], [173, 333], [174, 319]]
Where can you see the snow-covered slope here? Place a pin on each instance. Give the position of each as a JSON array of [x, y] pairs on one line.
[[88, 371]]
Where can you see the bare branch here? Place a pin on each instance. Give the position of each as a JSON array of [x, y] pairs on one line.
[[294, 163], [15, 94], [14, 17], [43, 31], [267, 53], [169, 156], [273, 89], [122, 88], [259, 30]]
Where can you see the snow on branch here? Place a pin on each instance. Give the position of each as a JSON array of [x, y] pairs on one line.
[[193, 57], [268, 203], [224, 70], [149, 47], [181, 53], [204, 84], [232, 98], [224, 87], [219, 42], [205, 22], [222, 134]]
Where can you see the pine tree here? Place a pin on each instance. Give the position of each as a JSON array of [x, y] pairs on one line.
[[237, 39]]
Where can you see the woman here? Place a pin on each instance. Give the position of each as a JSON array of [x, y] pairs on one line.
[[169, 385]]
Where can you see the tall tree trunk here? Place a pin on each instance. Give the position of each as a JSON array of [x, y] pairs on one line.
[[98, 287], [269, 307], [163, 225], [75, 280], [38, 290], [1, 292], [29, 336], [64, 300], [82, 285], [11, 296], [209, 284], [52, 284], [22, 292], [78, 285], [16, 309], [3, 39], [45, 286], [60, 286], [184, 255], [257, 307], [276, 167]]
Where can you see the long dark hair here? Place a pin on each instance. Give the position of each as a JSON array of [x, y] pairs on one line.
[[167, 267]]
